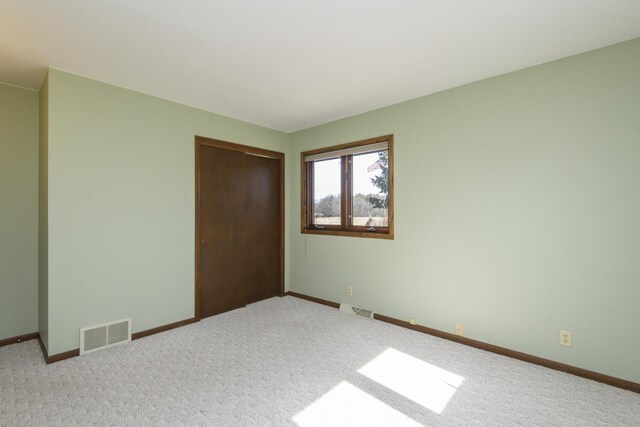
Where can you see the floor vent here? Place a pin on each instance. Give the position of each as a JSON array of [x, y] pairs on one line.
[[356, 311], [93, 338]]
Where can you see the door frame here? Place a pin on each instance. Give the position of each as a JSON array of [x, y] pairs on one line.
[[202, 141]]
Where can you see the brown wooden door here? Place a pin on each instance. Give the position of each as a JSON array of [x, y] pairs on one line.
[[239, 254], [222, 202], [262, 228]]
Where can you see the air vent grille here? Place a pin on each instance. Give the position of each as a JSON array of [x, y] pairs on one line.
[[105, 335], [118, 332], [95, 338], [356, 311]]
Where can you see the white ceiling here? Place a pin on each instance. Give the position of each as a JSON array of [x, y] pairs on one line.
[[292, 64]]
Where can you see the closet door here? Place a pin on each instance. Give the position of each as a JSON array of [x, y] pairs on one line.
[[239, 226], [222, 229], [262, 228]]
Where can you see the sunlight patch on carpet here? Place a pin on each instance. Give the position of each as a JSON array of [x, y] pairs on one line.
[[425, 384], [346, 404]]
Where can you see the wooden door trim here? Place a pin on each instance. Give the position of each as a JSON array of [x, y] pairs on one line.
[[210, 142], [247, 149]]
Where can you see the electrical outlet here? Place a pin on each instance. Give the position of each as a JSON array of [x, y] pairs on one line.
[[460, 329], [349, 291], [565, 338], [412, 321]]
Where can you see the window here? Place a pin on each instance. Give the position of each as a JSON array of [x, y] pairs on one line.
[[347, 190]]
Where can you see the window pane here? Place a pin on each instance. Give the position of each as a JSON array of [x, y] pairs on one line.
[[326, 192], [370, 200]]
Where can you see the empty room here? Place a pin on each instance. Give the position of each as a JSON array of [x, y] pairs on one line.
[[320, 213]]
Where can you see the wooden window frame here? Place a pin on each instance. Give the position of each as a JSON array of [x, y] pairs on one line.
[[345, 229]]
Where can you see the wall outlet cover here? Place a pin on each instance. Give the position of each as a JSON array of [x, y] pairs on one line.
[[565, 338]]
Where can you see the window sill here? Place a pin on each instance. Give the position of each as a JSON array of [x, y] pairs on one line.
[[344, 233]]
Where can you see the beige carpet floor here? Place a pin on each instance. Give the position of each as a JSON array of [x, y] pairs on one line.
[[286, 361]]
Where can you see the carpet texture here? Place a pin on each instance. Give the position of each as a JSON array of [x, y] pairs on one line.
[[286, 361]]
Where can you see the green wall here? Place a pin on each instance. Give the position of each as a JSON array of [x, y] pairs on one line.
[[517, 209], [121, 204], [18, 211]]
